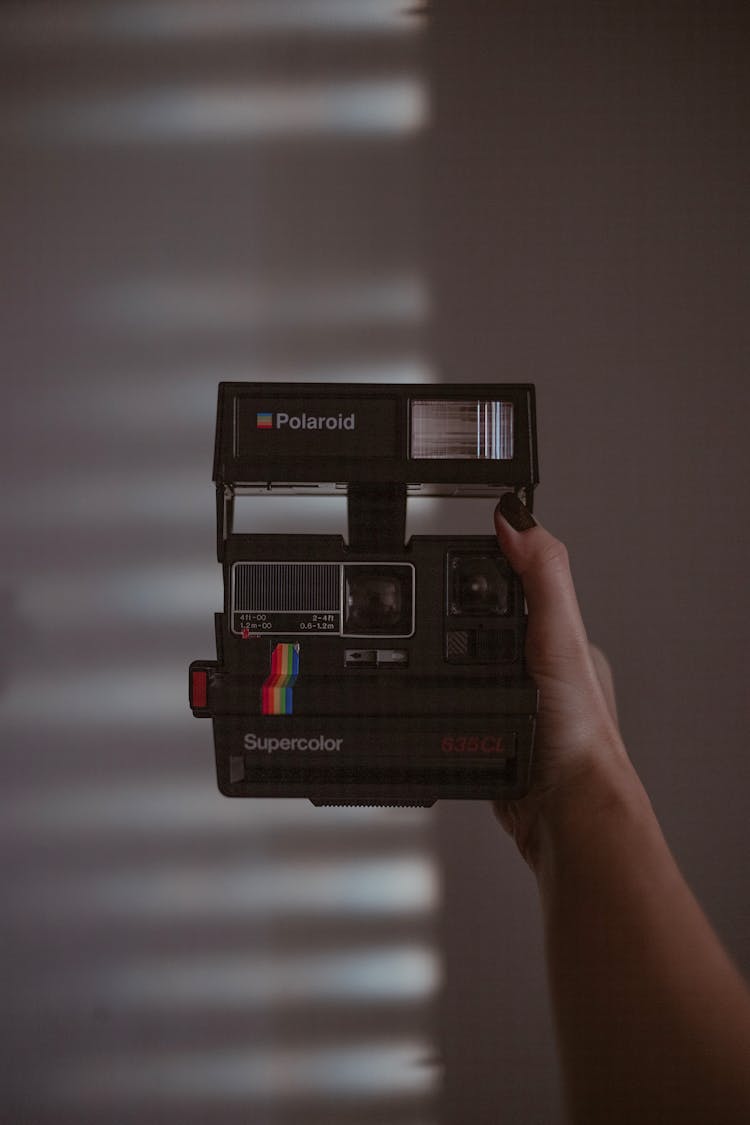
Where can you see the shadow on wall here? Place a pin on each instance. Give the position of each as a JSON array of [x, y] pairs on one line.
[[199, 193]]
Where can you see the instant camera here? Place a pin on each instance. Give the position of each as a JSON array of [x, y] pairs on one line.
[[368, 670]]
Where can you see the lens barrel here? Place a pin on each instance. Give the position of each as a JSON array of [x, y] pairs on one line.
[[478, 584]]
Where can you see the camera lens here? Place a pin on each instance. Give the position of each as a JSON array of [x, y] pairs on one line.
[[478, 585], [378, 601]]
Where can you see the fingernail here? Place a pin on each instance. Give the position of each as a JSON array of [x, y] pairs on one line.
[[516, 513]]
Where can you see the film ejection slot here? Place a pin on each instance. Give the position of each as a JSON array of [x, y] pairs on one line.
[[375, 658]]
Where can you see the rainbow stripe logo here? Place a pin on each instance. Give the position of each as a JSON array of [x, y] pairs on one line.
[[264, 421], [277, 690]]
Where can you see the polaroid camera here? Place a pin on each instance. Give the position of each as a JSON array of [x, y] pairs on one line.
[[370, 671]]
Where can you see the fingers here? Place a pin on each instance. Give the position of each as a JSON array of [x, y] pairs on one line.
[[541, 562]]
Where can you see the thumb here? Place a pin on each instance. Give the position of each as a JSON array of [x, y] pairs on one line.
[[542, 564]]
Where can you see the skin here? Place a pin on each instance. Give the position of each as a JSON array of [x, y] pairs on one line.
[[652, 1017]]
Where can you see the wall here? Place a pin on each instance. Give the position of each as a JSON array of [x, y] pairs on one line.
[[587, 195]]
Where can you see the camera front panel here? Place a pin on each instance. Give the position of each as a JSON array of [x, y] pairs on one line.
[[404, 677]]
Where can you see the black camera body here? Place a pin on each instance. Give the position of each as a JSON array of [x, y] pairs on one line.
[[370, 670]]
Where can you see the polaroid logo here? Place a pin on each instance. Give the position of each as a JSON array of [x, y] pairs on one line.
[[267, 745], [265, 421]]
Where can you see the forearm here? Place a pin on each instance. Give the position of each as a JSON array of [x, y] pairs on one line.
[[653, 1019]]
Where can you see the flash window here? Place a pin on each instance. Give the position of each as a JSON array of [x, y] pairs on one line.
[[471, 430]]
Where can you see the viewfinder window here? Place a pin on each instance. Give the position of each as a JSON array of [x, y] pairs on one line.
[[378, 600]]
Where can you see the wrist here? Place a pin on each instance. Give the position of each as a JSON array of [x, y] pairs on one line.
[[582, 813]]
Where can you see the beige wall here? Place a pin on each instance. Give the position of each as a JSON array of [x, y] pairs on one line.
[[587, 195]]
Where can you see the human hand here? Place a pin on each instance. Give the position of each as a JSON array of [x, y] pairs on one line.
[[577, 735]]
